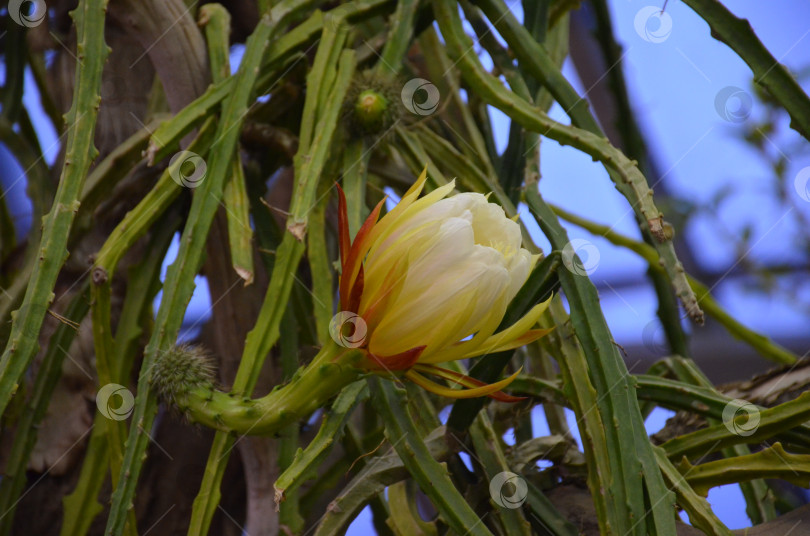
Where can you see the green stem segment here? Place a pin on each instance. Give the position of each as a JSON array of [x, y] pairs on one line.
[[630, 468], [629, 177], [761, 343], [309, 389], [433, 477], [23, 341], [772, 421], [262, 338], [48, 375]]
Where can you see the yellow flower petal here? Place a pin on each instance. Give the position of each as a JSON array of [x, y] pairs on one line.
[[395, 225], [448, 392], [502, 340]]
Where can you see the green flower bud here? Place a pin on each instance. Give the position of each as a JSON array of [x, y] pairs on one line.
[[371, 105]]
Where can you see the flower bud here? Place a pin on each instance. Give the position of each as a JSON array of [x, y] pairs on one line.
[[371, 105]]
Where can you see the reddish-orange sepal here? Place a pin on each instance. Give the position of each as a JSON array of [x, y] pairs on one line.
[[357, 292], [344, 240], [353, 261], [401, 361]]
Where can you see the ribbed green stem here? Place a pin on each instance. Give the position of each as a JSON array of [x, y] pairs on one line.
[[306, 461], [760, 503], [399, 38], [355, 172], [14, 477], [116, 430], [180, 275], [433, 478], [137, 221], [261, 339], [217, 22], [489, 450], [761, 343], [700, 513], [320, 266], [704, 401], [310, 388], [629, 178], [378, 473], [773, 462], [466, 120], [669, 394], [632, 468], [79, 153], [81, 506], [772, 421], [117, 164], [289, 513]]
